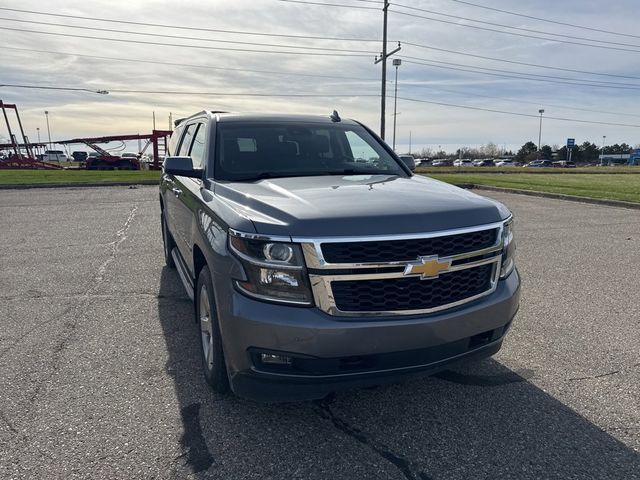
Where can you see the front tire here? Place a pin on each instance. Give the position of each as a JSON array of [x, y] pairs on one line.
[[212, 355]]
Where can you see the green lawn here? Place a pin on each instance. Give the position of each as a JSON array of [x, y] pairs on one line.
[[612, 187], [52, 177]]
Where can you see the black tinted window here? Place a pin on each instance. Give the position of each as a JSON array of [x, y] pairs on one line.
[[183, 150], [252, 151], [197, 147]]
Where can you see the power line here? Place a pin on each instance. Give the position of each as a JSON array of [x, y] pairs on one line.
[[314, 95], [468, 107], [175, 64], [272, 72], [518, 100], [524, 35], [524, 29], [515, 62], [566, 24], [504, 75], [307, 2], [91, 37], [180, 37], [512, 72], [182, 92], [72, 89], [182, 27]]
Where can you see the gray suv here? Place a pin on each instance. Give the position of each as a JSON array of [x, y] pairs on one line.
[[317, 261]]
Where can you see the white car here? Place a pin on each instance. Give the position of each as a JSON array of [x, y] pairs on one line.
[[505, 163], [55, 156], [462, 162]]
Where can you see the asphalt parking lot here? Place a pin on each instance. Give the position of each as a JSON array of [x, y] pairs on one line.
[[100, 378]]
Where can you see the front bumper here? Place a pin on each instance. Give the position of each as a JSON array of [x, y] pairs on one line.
[[387, 349]]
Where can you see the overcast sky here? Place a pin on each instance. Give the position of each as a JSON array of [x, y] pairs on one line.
[[350, 76]]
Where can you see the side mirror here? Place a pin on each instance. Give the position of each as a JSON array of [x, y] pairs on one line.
[[181, 167], [409, 162]]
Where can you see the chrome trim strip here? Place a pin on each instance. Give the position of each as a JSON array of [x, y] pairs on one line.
[[374, 372], [314, 258], [182, 273], [259, 263], [324, 299], [259, 236]]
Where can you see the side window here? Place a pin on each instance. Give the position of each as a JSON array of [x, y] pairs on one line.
[[361, 150], [186, 141], [197, 148], [173, 142]]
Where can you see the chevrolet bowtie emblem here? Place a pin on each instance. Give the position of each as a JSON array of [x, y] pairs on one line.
[[428, 267]]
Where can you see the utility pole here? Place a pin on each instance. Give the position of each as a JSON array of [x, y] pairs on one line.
[[383, 58], [396, 63], [154, 120], [46, 114], [541, 111], [170, 121]]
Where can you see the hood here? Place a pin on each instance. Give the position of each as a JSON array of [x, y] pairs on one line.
[[356, 205]]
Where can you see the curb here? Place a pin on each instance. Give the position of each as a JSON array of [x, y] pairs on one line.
[[79, 185], [556, 196]]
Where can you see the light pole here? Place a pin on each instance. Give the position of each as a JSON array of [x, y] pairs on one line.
[[396, 63], [541, 111], [46, 114], [604, 138], [38, 129]]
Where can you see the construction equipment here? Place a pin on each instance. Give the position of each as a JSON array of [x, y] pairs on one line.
[[20, 155], [104, 160]]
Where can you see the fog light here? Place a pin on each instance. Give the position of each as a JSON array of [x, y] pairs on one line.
[[271, 359]]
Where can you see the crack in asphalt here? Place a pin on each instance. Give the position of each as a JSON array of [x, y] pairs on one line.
[[404, 465], [70, 327], [6, 420]]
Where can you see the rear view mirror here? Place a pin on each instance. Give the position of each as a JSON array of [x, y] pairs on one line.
[[409, 162], [181, 167]]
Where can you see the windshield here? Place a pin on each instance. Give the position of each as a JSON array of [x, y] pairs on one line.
[[271, 150]]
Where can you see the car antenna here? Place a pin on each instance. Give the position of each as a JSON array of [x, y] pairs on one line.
[[335, 117]]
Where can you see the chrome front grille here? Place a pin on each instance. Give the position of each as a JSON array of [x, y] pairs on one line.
[[373, 276], [410, 293], [408, 249]]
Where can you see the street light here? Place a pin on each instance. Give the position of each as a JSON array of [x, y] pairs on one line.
[[604, 137], [38, 129], [46, 114], [541, 111], [396, 63]]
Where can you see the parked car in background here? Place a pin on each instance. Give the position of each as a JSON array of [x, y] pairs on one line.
[[539, 164], [55, 156], [484, 162], [442, 162], [80, 156], [462, 162], [505, 163], [564, 164]]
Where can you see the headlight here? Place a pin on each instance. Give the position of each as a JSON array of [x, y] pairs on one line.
[[508, 249], [275, 270]]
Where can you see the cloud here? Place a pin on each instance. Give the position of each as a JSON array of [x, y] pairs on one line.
[[81, 113]]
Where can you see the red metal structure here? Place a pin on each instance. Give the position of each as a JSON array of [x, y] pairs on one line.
[[16, 158], [105, 160]]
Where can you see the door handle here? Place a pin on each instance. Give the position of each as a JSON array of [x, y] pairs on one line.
[[176, 191]]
